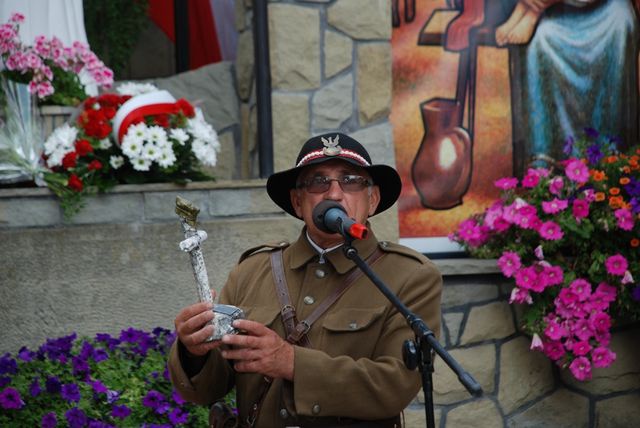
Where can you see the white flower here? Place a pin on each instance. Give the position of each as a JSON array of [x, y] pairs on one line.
[[131, 146], [133, 89], [205, 152], [141, 164], [150, 151], [180, 135], [60, 142], [116, 161], [138, 132], [167, 157], [104, 144], [157, 134], [201, 130]]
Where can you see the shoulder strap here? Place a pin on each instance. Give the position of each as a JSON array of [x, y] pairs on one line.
[[297, 331]]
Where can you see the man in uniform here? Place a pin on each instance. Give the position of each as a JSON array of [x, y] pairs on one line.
[[347, 368]]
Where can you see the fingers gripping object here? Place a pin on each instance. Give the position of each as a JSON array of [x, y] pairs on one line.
[[224, 315]]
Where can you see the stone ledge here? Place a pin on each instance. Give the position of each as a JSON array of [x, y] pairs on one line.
[[466, 266]]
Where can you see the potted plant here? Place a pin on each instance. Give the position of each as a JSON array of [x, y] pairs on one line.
[[568, 234]]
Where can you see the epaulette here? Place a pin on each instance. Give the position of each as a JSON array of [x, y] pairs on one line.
[[269, 246], [390, 247]]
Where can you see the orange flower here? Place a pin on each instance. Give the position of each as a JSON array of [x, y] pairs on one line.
[[614, 191], [598, 175], [634, 242], [616, 201], [626, 169], [600, 196], [624, 180], [611, 159]]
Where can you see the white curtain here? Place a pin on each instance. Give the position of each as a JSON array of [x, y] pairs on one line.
[[61, 18]]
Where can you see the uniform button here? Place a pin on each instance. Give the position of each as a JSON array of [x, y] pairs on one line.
[[315, 409], [384, 244], [308, 300], [320, 273], [284, 414], [353, 325]]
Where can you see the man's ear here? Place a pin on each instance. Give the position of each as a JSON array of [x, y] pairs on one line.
[[294, 194], [374, 200]]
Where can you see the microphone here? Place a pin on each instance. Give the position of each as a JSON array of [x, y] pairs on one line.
[[331, 217]]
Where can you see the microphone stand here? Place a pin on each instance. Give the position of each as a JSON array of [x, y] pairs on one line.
[[416, 353]]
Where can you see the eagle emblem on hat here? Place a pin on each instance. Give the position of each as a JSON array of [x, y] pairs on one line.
[[331, 147]]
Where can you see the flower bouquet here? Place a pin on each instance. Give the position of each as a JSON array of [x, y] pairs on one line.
[[569, 235], [138, 135], [101, 382], [57, 74]]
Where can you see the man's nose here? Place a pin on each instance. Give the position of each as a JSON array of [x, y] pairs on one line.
[[335, 192]]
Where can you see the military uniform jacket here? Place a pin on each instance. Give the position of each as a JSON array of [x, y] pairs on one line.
[[354, 368]]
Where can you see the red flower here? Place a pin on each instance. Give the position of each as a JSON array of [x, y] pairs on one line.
[[69, 160], [75, 183], [94, 165], [186, 107], [83, 147], [161, 120]]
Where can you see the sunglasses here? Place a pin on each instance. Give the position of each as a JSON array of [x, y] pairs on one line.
[[348, 183]]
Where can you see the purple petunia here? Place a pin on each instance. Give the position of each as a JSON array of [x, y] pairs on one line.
[[635, 293], [120, 411], [52, 384], [594, 154], [8, 365], [25, 354], [49, 420], [76, 418], [34, 388], [10, 399], [178, 416], [70, 392]]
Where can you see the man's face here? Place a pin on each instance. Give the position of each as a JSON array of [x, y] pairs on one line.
[[359, 204]]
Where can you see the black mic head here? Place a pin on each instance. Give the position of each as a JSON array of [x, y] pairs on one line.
[[319, 212]]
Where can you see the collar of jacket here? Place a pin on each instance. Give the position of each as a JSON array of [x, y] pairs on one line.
[[301, 252]]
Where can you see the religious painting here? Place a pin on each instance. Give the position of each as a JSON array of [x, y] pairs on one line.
[[484, 89]]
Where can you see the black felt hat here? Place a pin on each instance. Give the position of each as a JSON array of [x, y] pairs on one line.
[[326, 147]]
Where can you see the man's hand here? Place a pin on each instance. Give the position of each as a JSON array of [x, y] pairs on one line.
[[259, 350], [192, 329]]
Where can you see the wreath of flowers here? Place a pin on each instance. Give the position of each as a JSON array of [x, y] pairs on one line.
[[569, 237], [156, 142]]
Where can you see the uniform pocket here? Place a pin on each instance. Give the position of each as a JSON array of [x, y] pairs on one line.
[[352, 331]]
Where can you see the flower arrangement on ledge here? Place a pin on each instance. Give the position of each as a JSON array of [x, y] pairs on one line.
[[139, 135], [569, 236], [101, 382], [57, 74]]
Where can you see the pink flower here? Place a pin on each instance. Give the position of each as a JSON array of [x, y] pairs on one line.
[[526, 278], [577, 171], [552, 275], [581, 288], [536, 343], [519, 295], [607, 290], [602, 357], [554, 206], [539, 253], [555, 185], [600, 321], [580, 209], [531, 179], [555, 331], [581, 368], [625, 219], [509, 263], [554, 350], [550, 230], [506, 183], [582, 330], [616, 265], [581, 348]]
